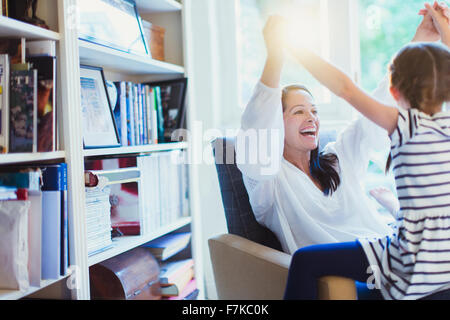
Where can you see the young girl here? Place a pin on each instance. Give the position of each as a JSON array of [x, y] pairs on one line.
[[415, 262]]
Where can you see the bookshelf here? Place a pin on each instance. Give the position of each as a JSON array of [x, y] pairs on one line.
[[126, 243], [71, 53], [114, 60]]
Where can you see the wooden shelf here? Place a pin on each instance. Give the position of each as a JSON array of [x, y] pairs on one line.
[[146, 6], [16, 294], [115, 60], [11, 28], [135, 149], [123, 244], [11, 158]]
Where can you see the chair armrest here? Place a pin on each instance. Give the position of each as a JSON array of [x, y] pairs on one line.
[[246, 270]]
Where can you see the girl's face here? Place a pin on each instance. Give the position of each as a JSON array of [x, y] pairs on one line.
[[301, 122]]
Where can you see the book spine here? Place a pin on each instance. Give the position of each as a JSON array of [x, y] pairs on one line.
[[154, 116], [123, 113], [35, 110], [144, 114], [141, 114], [136, 115], [130, 115], [64, 220], [51, 221], [148, 113], [4, 103], [159, 115]]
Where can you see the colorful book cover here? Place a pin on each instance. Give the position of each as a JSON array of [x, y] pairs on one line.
[[23, 111], [130, 115], [4, 103], [46, 130]]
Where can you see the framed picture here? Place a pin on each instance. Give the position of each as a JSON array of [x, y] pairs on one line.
[[99, 128], [173, 95], [112, 23]]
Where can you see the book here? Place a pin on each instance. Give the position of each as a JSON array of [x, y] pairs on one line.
[[23, 111], [120, 112], [52, 204], [46, 105], [154, 116], [176, 288], [130, 115], [172, 270], [168, 245], [4, 102], [64, 221], [137, 134], [190, 288], [159, 115]]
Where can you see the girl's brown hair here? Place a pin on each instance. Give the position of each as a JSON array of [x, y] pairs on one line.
[[322, 166], [421, 73]]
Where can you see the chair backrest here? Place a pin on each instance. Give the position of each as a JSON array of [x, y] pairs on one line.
[[238, 211]]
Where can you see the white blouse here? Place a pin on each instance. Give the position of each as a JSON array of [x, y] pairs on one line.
[[283, 197]]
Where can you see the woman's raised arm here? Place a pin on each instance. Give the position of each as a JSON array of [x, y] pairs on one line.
[[274, 33]]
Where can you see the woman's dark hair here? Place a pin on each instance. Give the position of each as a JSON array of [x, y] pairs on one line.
[[421, 73], [322, 166]]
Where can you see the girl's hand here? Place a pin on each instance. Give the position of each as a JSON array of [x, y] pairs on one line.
[[275, 34], [386, 198], [426, 31], [440, 21]]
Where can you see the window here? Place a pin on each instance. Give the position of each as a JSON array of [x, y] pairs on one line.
[[309, 20], [385, 26]]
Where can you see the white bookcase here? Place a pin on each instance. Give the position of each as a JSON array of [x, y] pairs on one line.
[[117, 66]]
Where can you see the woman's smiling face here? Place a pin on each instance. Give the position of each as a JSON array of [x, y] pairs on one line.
[[301, 121]]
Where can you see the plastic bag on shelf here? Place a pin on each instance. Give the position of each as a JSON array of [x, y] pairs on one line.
[[14, 245]]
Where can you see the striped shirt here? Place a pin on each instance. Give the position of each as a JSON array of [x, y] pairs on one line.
[[416, 261]]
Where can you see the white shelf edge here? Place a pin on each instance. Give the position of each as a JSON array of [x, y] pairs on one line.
[[135, 149], [116, 60], [11, 158], [155, 6], [15, 29], [123, 244], [17, 294]]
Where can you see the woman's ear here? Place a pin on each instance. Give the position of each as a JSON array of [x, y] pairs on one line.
[[395, 93]]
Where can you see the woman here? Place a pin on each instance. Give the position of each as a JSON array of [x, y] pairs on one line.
[[303, 197]]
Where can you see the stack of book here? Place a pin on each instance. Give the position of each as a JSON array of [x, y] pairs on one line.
[[47, 237], [164, 190], [98, 212], [177, 277], [27, 96], [177, 280]]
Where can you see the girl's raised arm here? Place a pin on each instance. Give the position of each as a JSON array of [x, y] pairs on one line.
[[341, 85]]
